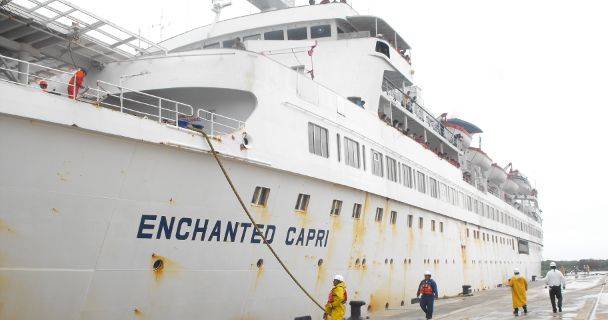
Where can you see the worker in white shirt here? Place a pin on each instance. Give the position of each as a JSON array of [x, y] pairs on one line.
[[555, 281]]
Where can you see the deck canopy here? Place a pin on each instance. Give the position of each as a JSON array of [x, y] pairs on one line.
[[378, 26], [61, 35]]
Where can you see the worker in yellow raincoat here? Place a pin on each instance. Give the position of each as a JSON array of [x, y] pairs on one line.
[[336, 303], [519, 286]]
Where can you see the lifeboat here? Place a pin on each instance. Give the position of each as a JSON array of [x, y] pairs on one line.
[[466, 137], [522, 182], [497, 175], [479, 158], [510, 187]]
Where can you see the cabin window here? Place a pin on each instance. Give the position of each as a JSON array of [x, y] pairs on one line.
[[469, 203], [433, 187], [317, 140], [475, 206], [351, 152], [228, 43], [379, 214], [302, 202], [421, 182], [274, 35], [320, 31], [336, 207], [382, 47], [297, 34], [467, 232], [377, 167], [420, 223], [440, 226], [363, 156], [211, 45], [410, 220], [393, 217], [252, 37], [433, 225], [391, 169], [357, 211], [339, 148], [407, 176], [260, 196]]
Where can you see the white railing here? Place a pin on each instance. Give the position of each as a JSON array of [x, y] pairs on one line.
[[119, 98]]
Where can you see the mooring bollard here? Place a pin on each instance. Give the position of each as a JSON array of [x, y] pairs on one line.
[[303, 318], [355, 310]]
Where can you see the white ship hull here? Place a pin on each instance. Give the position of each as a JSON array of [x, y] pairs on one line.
[[77, 206]]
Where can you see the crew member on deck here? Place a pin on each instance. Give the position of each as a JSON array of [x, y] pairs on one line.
[[556, 281], [519, 286], [336, 303], [76, 82], [428, 289]]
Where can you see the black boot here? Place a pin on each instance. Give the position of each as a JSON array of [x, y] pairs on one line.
[[516, 312], [525, 309]]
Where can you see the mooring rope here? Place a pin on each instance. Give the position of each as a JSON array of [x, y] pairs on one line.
[[238, 196]]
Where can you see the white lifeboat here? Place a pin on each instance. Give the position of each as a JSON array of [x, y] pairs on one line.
[[497, 175], [466, 137], [479, 158], [522, 182], [510, 187]]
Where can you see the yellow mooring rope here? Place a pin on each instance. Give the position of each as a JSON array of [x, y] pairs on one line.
[[219, 162]]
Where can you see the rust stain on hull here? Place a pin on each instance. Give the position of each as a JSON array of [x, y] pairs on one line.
[[162, 266], [6, 228], [138, 313]]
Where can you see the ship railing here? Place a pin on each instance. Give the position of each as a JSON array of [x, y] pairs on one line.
[[413, 107], [117, 97]]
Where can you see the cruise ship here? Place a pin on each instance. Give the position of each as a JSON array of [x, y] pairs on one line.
[[113, 206]]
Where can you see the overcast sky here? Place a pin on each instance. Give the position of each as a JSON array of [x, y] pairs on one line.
[[531, 73]]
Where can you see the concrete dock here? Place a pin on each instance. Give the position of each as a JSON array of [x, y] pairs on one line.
[[585, 298]]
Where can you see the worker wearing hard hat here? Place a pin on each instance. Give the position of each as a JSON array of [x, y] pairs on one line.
[[427, 291], [336, 303], [76, 82], [519, 286], [555, 281]]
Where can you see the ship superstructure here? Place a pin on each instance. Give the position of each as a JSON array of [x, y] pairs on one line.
[[111, 205]]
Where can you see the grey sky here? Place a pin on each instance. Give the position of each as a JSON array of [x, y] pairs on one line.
[[531, 74]]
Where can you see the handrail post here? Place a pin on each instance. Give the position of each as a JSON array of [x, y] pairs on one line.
[[160, 110], [212, 122], [176, 112], [121, 99], [27, 74]]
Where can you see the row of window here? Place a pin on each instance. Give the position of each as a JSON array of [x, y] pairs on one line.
[[491, 238], [299, 33], [405, 175]]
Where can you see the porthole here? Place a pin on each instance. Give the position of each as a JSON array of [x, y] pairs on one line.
[[157, 265], [260, 263], [320, 262]]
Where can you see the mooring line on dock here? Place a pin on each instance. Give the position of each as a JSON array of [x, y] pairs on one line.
[[597, 301], [238, 196]]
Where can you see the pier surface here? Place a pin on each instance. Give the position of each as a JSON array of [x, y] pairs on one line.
[[585, 298]]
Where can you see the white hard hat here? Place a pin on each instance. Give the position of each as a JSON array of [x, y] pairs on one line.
[[552, 264], [516, 270], [339, 278], [427, 273]]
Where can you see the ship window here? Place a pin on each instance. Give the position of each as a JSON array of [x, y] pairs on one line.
[[379, 213], [393, 217], [357, 211], [421, 182], [469, 203], [212, 45], [339, 148], [317, 140], [377, 168], [336, 207], [351, 152], [476, 206], [253, 37], [302, 202], [382, 47], [363, 156], [274, 35], [433, 225], [440, 226], [407, 175], [443, 192], [260, 196], [391, 169], [420, 223], [467, 232], [228, 43], [297, 34], [433, 187], [320, 31], [410, 220]]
